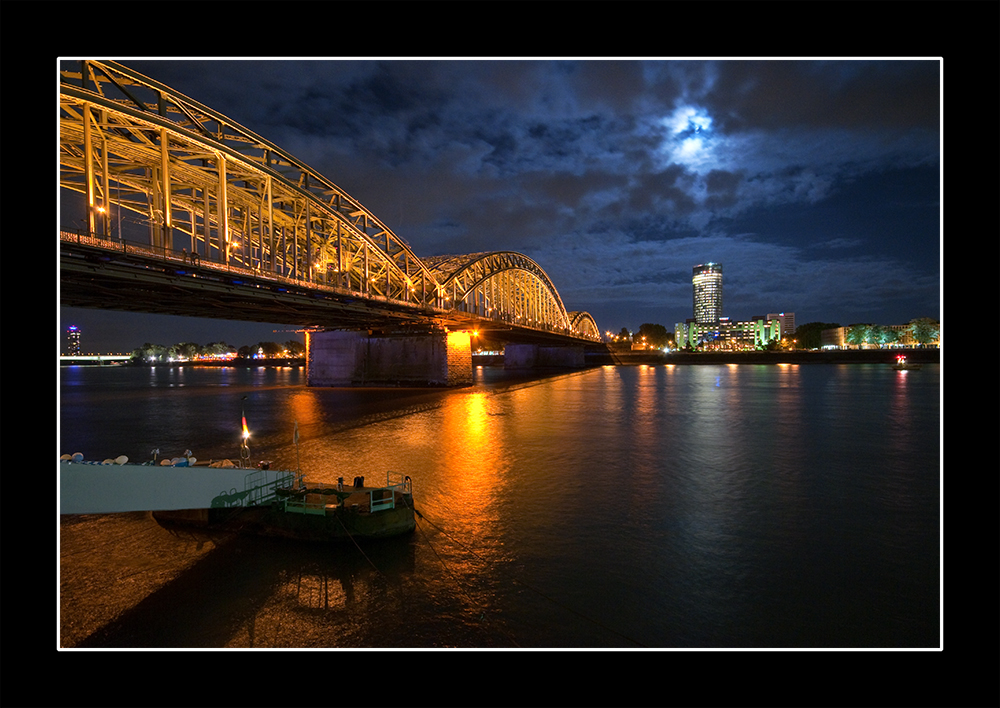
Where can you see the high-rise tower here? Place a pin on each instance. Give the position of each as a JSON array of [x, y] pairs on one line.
[[73, 336], [707, 281]]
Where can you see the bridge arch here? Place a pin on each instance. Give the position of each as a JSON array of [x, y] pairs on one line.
[[501, 285], [581, 323]]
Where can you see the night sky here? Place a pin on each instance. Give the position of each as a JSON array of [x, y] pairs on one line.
[[816, 184]]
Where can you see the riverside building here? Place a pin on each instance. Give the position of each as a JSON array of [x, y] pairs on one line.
[[727, 335], [836, 338], [787, 320]]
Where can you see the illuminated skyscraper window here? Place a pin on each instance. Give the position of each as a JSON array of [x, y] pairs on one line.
[[707, 281]]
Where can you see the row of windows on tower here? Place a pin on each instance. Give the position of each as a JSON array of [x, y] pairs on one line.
[[707, 281]]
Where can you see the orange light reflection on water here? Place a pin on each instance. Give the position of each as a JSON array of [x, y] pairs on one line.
[[472, 467], [305, 409]]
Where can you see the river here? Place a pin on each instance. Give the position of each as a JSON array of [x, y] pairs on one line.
[[628, 507]]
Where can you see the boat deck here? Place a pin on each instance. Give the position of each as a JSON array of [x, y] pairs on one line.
[[327, 499]]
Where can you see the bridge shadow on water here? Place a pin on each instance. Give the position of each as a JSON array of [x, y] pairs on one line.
[[252, 591]]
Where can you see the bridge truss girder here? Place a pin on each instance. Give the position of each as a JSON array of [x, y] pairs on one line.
[[206, 186]]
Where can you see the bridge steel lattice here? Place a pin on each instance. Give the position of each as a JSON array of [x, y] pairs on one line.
[[221, 207]]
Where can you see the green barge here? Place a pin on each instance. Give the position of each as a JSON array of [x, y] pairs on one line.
[[284, 504]]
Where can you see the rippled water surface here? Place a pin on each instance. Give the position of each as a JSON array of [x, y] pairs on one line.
[[617, 507]]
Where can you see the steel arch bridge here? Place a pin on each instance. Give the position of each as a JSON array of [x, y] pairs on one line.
[[233, 226]]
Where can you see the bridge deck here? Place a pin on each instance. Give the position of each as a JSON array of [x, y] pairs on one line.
[[107, 274]]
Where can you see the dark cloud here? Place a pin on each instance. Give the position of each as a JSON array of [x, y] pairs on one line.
[[852, 95]]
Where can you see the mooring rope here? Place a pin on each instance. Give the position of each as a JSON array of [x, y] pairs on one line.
[[526, 585], [354, 541]]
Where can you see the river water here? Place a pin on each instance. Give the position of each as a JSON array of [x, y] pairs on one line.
[[628, 507]]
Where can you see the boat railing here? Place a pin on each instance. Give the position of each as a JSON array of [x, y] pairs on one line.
[[258, 488], [384, 501], [394, 482], [303, 506], [398, 482], [378, 499]]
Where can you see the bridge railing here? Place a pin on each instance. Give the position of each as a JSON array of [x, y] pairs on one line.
[[175, 257]]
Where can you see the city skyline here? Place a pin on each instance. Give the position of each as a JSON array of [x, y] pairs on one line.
[[817, 183]]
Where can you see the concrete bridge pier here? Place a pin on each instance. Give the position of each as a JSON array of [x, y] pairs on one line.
[[348, 358], [533, 356]]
